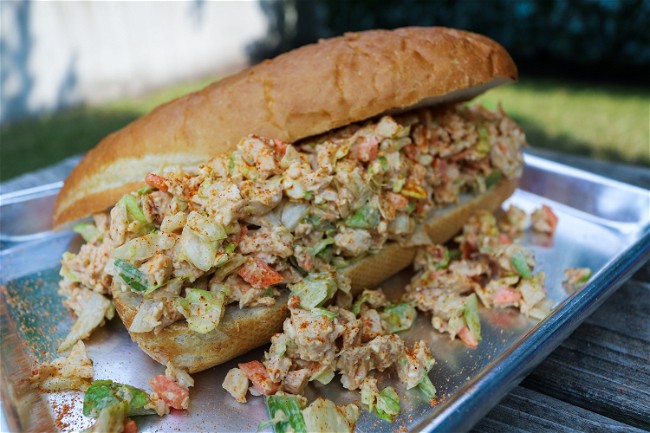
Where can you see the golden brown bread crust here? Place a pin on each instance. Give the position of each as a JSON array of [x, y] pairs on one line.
[[305, 92], [244, 329]]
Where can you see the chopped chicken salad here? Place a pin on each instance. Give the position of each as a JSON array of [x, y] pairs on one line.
[[271, 216]]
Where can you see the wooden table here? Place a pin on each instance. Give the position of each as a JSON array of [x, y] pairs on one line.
[[597, 380]]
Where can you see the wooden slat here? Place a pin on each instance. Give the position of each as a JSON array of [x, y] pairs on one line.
[[604, 366], [525, 410]]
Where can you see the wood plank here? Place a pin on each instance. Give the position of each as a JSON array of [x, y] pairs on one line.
[[526, 410], [604, 366]]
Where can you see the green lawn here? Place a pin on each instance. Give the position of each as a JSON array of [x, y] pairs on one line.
[[604, 122]]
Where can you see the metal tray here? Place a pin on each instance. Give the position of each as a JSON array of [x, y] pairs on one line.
[[604, 225]]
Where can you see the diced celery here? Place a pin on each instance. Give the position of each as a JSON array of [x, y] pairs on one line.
[[133, 209], [471, 315], [518, 260], [323, 312], [493, 178], [321, 245], [285, 414], [132, 275], [398, 317]]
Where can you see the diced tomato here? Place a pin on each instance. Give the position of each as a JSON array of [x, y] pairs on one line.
[[306, 262], [156, 181], [280, 147], [550, 217], [170, 392], [398, 201], [258, 375], [236, 238], [130, 426], [411, 151], [259, 275], [506, 296], [468, 338], [504, 239], [367, 149]]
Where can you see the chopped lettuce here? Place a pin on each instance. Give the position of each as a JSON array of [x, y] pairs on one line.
[[518, 261], [202, 309], [324, 416], [88, 231], [365, 217], [388, 406], [95, 310], [398, 317], [285, 414], [106, 393], [315, 289], [143, 247]]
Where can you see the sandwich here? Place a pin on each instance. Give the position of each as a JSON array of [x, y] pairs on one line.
[[315, 174]]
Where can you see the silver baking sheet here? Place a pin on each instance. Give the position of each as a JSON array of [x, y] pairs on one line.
[[604, 225]]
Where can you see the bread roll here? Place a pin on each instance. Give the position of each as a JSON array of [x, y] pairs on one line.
[[299, 94], [241, 330]]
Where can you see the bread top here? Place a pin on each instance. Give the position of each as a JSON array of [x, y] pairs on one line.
[[305, 92]]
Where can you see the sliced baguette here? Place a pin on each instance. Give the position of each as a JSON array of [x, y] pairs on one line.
[[244, 329], [306, 92]]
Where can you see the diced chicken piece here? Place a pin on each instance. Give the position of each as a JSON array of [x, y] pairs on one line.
[[73, 372], [385, 350], [158, 269], [148, 316], [315, 335], [370, 325], [296, 380], [179, 375], [275, 240], [353, 242], [236, 383]]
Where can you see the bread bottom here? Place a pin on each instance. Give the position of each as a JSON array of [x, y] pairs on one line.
[[242, 330]]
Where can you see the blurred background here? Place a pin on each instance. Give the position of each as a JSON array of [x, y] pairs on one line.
[[72, 72]]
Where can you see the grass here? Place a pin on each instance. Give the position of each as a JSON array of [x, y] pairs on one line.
[[600, 121], [604, 122]]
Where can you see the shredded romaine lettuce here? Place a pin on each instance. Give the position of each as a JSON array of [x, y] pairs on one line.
[[285, 413]]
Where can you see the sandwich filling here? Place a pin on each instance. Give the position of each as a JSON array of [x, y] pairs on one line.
[[270, 215]]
